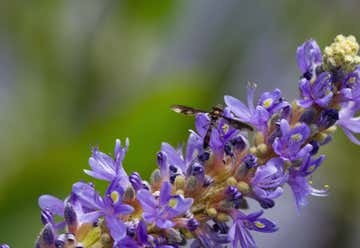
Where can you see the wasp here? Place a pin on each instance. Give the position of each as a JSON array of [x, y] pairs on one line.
[[216, 113]]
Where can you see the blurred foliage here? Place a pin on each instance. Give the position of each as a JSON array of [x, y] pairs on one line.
[[81, 73]]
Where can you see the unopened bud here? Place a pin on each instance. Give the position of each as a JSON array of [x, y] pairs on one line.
[[259, 138], [261, 149], [191, 183], [155, 177], [231, 181], [180, 182], [129, 194], [70, 218], [211, 212], [243, 187], [47, 236]]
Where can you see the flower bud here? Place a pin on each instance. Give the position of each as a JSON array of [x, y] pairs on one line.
[[70, 218], [135, 180], [46, 237]]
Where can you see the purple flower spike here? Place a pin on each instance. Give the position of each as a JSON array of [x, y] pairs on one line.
[[106, 168], [268, 180], [161, 211], [308, 56], [218, 171], [290, 144], [319, 92], [243, 224]]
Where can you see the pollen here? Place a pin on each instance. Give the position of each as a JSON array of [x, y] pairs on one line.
[[115, 196], [225, 128], [296, 137], [173, 203], [259, 224], [268, 102]]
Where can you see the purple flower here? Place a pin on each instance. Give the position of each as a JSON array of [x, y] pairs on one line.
[[4, 246], [223, 136], [51, 206], [299, 183], [291, 145], [257, 116], [308, 56], [170, 158], [161, 211], [268, 104], [268, 179], [207, 237], [349, 123], [110, 206], [272, 101], [318, 92], [106, 168], [242, 225], [351, 87]]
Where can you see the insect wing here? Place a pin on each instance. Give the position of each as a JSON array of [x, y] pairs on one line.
[[181, 109], [238, 124]]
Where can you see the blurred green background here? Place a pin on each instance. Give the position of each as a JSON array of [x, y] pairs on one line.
[[76, 73]]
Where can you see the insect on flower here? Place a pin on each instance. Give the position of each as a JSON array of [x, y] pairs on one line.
[[216, 113]]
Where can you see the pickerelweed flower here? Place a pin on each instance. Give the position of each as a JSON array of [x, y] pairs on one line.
[[243, 224], [198, 196]]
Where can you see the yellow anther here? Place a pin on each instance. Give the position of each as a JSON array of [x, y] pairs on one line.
[[173, 202], [211, 212], [259, 224], [326, 186], [231, 181], [243, 187], [296, 137], [225, 128], [267, 103], [115, 196]]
